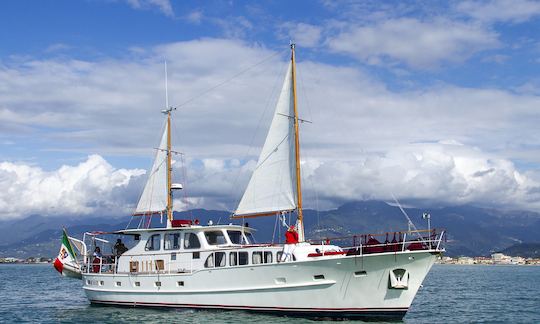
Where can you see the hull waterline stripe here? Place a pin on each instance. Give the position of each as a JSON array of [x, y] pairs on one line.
[[390, 309]]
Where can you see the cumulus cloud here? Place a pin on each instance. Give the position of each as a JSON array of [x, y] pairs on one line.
[[111, 107], [437, 173], [432, 174], [419, 44], [90, 187]]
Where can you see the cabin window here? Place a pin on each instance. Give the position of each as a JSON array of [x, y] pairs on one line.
[[243, 258], [279, 255], [220, 259], [215, 237], [153, 243], [256, 258], [191, 241], [216, 259], [236, 237], [249, 238], [172, 241], [267, 257], [209, 263], [233, 258]]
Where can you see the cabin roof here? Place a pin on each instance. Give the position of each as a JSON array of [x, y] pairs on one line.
[[197, 228]]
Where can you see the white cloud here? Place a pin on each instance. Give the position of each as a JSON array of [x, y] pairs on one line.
[[419, 44], [89, 187], [162, 5], [440, 173], [111, 108], [195, 17], [500, 10], [305, 35]]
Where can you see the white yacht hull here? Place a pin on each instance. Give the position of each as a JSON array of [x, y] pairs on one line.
[[337, 287]]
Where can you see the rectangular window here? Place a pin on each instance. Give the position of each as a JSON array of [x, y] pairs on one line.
[[180, 284], [220, 259], [172, 241], [191, 241], [267, 257], [215, 237], [279, 255], [196, 255], [256, 258], [243, 258], [153, 243], [233, 259]]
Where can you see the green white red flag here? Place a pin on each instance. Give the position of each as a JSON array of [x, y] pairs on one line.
[[66, 254]]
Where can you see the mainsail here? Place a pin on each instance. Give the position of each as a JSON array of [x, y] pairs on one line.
[[272, 187], [154, 196]]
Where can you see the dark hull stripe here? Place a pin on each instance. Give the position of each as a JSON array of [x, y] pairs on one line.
[[365, 313]]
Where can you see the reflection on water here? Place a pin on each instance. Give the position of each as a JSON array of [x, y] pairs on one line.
[[451, 294]]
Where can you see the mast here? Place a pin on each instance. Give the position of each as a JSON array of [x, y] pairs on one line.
[[300, 217], [169, 155], [169, 172]]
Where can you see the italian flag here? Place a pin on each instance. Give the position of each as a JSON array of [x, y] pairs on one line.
[[66, 254]]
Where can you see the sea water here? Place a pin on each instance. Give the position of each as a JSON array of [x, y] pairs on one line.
[[450, 294]]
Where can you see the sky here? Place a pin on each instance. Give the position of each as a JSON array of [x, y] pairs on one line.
[[434, 102]]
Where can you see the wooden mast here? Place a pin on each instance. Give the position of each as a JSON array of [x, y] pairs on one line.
[[169, 171], [300, 218]]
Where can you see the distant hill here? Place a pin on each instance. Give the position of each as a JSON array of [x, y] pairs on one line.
[[526, 250], [471, 230]]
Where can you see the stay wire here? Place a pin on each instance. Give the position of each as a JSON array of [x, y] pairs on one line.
[[197, 96]]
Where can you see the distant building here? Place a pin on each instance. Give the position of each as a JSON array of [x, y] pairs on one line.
[[499, 258], [465, 260]]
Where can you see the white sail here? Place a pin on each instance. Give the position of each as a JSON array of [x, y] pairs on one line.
[[272, 186], [154, 196]]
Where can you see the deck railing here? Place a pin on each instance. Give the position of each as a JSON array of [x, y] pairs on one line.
[[359, 244]]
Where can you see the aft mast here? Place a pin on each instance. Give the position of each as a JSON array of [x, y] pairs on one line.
[[300, 219]]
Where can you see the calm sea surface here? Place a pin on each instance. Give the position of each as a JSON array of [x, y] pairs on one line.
[[451, 294]]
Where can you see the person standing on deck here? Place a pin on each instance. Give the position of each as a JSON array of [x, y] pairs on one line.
[[291, 238]]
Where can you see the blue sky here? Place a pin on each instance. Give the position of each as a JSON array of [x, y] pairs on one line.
[[431, 101]]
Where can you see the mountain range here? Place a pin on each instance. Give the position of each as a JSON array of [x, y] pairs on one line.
[[471, 231]]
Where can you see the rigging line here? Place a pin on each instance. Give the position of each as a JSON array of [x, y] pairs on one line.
[[184, 191], [266, 106], [228, 80], [152, 165], [305, 94], [407, 216], [271, 153]]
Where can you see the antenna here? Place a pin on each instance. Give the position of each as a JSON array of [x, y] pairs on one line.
[[166, 88]]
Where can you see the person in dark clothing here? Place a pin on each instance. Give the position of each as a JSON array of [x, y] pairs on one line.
[[119, 248]]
